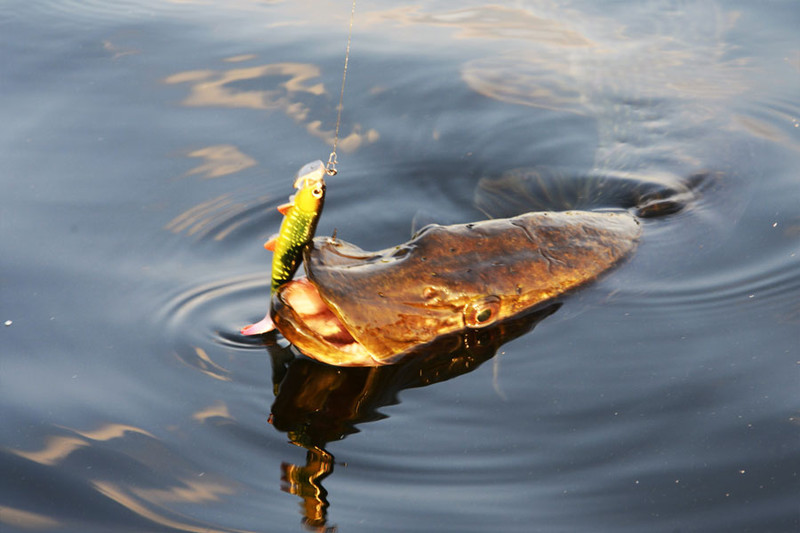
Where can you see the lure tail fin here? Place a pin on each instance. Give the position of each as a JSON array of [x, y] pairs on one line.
[[264, 325], [270, 244]]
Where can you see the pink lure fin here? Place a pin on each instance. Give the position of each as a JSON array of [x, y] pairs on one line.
[[284, 208], [263, 326], [270, 244]]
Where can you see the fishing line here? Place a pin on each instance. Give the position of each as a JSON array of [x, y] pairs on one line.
[[330, 168]]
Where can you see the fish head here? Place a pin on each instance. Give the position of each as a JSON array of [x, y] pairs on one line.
[[360, 308]]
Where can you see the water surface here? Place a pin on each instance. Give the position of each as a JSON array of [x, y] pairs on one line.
[[145, 145]]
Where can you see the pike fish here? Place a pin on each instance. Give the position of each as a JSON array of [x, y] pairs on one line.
[[360, 308]]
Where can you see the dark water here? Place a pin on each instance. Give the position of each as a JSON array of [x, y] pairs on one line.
[[144, 146]]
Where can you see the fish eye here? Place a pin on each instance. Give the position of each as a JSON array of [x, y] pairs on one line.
[[481, 312], [483, 315]]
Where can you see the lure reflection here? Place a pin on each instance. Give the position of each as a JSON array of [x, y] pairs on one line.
[[317, 403]]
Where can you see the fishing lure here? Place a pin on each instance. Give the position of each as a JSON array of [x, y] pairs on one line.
[[301, 215]]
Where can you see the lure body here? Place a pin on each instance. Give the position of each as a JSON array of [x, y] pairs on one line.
[[299, 223], [301, 215]]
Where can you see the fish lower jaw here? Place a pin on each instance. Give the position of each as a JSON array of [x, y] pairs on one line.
[[306, 321], [352, 354], [331, 350]]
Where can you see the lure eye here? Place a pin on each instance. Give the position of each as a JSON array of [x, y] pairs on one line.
[[317, 192], [481, 312]]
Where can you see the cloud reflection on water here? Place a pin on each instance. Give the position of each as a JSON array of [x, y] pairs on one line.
[[145, 494], [220, 160], [487, 22], [59, 447], [26, 519], [222, 88], [197, 492]]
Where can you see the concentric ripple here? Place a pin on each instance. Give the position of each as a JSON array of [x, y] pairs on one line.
[[215, 311], [764, 285], [201, 323], [237, 216]]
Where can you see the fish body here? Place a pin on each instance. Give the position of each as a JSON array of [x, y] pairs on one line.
[[301, 215], [360, 308]]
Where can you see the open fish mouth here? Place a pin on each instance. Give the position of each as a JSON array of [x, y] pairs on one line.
[[361, 308], [302, 314]]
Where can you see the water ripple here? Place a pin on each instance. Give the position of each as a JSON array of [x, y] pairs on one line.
[[224, 215], [98, 11], [768, 283], [205, 316]]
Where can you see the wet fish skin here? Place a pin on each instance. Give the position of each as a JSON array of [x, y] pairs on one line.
[[394, 300]]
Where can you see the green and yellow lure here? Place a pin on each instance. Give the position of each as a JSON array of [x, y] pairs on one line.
[[301, 215]]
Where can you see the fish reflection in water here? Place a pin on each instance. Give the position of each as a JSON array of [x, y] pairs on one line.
[[317, 403]]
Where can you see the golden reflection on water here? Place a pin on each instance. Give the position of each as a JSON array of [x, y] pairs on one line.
[[26, 519], [194, 220], [220, 160], [490, 21], [215, 218], [196, 493], [240, 58], [55, 450], [149, 503], [218, 410], [186, 491], [202, 362], [218, 88], [58, 448], [112, 431]]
